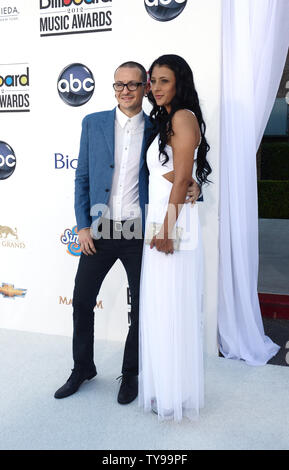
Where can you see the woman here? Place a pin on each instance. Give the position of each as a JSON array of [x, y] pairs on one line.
[[171, 352]]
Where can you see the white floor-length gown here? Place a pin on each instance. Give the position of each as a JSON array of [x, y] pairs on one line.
[[171, 325]]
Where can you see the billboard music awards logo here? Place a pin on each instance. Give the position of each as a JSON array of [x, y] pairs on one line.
[[59, 17], [70, 239], [9, 13], [164, 10], [7, 160], [9, 237], [14, 88], [75, 84]]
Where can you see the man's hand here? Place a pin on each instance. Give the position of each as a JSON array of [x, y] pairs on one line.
[[86, 242], [193, 192]]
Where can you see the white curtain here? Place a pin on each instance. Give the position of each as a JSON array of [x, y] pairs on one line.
[[255, 44]]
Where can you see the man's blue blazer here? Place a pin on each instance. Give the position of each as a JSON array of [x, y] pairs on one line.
[[93, 177]]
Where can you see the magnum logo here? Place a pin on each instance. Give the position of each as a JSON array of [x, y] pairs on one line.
[[65, 301], [9, 237], [8, 290]]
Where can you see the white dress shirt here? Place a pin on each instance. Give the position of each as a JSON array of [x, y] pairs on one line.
[[124, 197]]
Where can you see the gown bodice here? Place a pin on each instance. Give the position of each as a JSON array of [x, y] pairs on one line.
[[154, 163]]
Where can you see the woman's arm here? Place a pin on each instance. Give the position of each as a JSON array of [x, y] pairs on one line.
[[184, 142]]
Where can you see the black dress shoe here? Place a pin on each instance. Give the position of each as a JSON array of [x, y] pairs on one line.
[[73, 383], [128, 390]]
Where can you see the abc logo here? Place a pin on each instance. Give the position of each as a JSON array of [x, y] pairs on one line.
[[75, 84], [7, 161], [164, 10]]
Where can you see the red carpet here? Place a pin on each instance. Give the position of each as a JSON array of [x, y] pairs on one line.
[[274, 306]]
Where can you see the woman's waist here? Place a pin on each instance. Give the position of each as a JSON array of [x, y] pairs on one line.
[[184, 214]]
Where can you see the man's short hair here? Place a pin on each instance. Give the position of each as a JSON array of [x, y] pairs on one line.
[[135, 65]]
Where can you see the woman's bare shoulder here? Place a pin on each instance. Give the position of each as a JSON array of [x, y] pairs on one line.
[[184, 114], [185, 121]]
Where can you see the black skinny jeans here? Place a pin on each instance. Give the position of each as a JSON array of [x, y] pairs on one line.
[[91, 272]]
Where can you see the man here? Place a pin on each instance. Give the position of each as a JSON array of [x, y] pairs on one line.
[[111, 191]]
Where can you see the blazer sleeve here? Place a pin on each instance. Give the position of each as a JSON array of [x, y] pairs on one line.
[[81, 193], [201, 197]]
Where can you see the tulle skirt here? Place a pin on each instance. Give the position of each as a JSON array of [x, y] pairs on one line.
[[171, 378]]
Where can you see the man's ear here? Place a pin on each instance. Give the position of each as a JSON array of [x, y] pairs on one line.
[[147, 89]]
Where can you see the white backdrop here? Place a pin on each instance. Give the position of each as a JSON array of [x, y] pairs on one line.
[[37, 199]]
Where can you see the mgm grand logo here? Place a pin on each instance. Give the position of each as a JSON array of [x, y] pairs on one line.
[[9, 237]]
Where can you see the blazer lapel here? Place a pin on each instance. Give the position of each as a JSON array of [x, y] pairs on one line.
[[147, 131]]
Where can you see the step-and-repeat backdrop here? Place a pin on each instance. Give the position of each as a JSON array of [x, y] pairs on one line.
[[57, 60]]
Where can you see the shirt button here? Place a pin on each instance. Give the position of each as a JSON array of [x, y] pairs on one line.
[[111, 166], [107, 190]]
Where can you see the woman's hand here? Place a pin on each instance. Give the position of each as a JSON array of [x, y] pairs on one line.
[[164, 244], [193, 192]]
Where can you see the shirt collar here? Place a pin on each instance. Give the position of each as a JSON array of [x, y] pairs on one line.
[[123, 119]]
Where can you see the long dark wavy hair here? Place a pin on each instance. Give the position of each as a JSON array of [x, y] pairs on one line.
[[186, 97]]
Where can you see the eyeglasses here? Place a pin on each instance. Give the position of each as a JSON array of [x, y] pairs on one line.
[[131, 86]]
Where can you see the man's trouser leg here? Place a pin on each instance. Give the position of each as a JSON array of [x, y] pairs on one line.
[[131, 256], [91, 272]]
